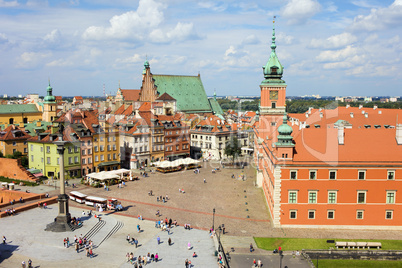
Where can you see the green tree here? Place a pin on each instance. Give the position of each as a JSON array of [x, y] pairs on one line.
[[233, 148]]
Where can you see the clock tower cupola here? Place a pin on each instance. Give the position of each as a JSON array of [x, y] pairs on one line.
[[273, 88]]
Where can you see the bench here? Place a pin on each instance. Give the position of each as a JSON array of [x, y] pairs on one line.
[[374, 244], [358, 245]]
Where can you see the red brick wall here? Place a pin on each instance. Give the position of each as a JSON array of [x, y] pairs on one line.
[[11, 168]]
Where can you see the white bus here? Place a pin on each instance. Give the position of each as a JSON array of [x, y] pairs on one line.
[[78, 197], [96, 201]]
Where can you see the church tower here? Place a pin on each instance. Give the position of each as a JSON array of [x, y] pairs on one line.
[[148, 89], [273, 93], [49, 106]]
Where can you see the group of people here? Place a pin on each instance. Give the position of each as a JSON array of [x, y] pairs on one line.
[[142, 260], [257, 263], [132, 240], [161, 198], [76, 221], [10, 211], [81, 242], [187, 226], [23, 264]]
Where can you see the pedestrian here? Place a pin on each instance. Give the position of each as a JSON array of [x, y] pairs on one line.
[[158, 239], [156, 257], [128, 238], [91, 253], [136, 243], [65, 242], [128, 257], [205, 181], [152, 257], [23, 264], [251, 247], [29, 263], [186, 263], [77, 247], [189, 245], [68, 242], [259, 264], [169, 241], [87, 251], [138, 228], [194, 255], [255, 263], [166, 198]]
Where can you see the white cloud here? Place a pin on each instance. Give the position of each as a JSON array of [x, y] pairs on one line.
[[4, 3], [133, 59], [250, 40], [284, 38], [334, 41], [378, 19], [337, 55], [299, 11], [3, 39], [219, 7], [337, 65], [53, 37], [59, 63], [31, 59], [131, 25]]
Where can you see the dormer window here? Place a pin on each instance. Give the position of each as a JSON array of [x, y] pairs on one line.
[[274, 70]]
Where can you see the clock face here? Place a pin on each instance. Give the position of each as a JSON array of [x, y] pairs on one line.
[[273, 95]]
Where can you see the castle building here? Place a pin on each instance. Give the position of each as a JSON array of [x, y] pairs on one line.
[[339, 168]]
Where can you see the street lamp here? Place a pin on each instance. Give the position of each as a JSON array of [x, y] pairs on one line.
[[213, 220], [281, 257]]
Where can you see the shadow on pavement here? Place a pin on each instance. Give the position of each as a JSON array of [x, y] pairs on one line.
[[6, 250]]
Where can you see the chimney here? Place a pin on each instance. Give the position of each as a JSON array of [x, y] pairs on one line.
[[341, 135], [38, 123], [321, 115], [379, 112], [399, 134], [360, 106], [306, 115], [351, 115], [347, 106], [366, 115], [375, 107]]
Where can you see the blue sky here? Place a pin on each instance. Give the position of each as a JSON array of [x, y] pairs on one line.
[[330, 48]]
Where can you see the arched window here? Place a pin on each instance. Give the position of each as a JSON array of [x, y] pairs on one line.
[[11, 121]]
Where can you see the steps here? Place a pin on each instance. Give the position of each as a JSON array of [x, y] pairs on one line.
[[117, 227]]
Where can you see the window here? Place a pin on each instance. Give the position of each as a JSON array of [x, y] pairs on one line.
[[361, 197], [362, 174], [76, 149], [114, 147], [48, 160], [273, 105], [390, 197], [89, 160], [114, 138], [41, 149], [108, 147], [83, 152], [332, 174], [83, 161], [70, 160], [102, 157], [311, 214], [14, 150], [14, 143], [391, 174], [31, 147], [89, 151], [177, 147], [101, 148], [96, 158], [41, 160], [332, 197], [32, 158], [114, 156], [109, 157], [313, 174], [25, 142], [89, 143], [101, 138], [312, 197], [359, 214], [70, 150], [389, 214], [293, 214], [293, 174], [76, 159], [108, 139], [96, 149], [292, 197], [331, 214], [25, 150]]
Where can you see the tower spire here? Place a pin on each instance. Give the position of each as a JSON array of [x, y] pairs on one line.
[[273, 45]]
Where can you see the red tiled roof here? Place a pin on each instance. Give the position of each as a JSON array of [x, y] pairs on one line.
[[146, 106], [8, 134], [166, 97], [131, 94]]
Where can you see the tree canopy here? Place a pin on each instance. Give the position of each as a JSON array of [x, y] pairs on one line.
[[233, 148]]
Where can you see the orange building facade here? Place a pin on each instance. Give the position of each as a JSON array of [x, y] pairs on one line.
[[339, 168]]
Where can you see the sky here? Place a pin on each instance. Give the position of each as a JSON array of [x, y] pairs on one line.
[[329, 48]]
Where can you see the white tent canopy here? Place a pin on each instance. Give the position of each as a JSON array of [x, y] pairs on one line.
[[178, 162], [102, 176]]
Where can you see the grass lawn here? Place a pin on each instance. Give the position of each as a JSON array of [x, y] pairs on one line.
[[8, 180], [356, 264], [287, 244]]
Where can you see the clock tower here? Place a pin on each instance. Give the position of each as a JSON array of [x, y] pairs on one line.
[[273, 95]]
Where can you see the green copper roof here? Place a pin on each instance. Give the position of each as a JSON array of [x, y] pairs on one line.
[[273, 70], [49, 97], [187, 90], [216, 108], [18, 108], [32, 128], [146, 65], [285, 131]]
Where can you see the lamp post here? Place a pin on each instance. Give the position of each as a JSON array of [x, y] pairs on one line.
[[213, 220], [61, 222]]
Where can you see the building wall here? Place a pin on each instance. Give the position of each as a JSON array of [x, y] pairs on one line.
[[11, 168], [346, 186], [86, 155], [19, 118], [8, 147], [106, 149]]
